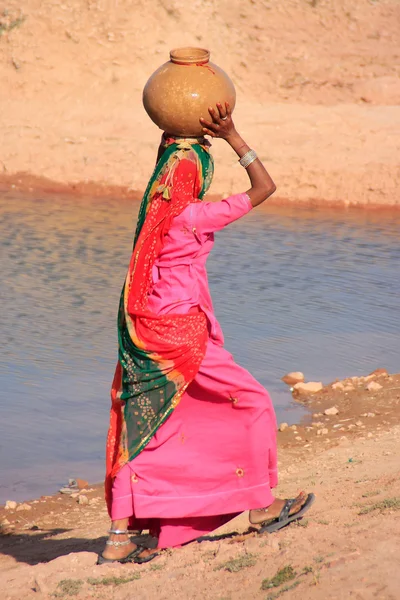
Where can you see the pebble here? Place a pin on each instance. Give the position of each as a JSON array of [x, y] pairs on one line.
[[348, 388], [373, 386], [317, 424], [323, 431], [370, 435], [24, 506], [331, 411], [83, 500], [294, 427], [312, 387], [11, 505], [5, 522], [316, 415], [298, 438], [359, 423], [283, 426], [293, 377]]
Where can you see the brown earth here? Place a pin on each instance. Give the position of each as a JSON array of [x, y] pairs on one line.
[[318, 92], [347, 546]]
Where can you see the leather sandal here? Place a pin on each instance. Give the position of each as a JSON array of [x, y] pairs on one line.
[[285, 518], [140, 560]]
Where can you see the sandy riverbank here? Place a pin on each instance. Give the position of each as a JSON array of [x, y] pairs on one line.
[[346, 546], [318, 93]]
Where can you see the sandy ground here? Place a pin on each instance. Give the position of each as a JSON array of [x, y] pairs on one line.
[[347, 546], [318, 92]]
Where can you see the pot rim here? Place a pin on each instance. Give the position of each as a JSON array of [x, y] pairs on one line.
[[189, 55]]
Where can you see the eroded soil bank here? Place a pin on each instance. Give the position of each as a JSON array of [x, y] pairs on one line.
[[318, 92]]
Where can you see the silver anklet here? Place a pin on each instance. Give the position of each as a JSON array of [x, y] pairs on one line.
[[117, 544], [118, 531]]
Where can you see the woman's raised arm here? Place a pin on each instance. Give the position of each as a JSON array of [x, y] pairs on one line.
[[222, 126]]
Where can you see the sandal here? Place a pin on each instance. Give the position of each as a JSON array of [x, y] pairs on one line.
[[284, 517], [101, 560], [140, 560]]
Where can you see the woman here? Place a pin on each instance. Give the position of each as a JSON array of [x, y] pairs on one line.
[[192, 438]]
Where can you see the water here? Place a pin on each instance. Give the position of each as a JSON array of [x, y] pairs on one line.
[[293, 290]]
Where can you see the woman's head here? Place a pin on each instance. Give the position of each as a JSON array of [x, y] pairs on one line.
[[185, 165], [182, 175]]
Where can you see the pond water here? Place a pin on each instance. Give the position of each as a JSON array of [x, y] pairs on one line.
[[293, 289]]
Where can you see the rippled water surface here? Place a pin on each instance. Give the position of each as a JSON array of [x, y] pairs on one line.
[[293, 290]]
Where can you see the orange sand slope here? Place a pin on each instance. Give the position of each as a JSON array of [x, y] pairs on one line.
[[318, 90]]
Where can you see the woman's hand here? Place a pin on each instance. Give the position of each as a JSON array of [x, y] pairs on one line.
[[221, 125]]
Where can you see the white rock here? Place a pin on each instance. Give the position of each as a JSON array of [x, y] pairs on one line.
[[359, 423], [348, 388], [312, 387], [298, 438], [11, 505], [83, 500], [293, 377], [283, 426], [373, 386], [22, 507], [338, 386], [323, 431], [331, 411], [370, 414]]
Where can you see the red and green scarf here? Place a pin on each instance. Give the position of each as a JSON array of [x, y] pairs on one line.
[[159, 355]]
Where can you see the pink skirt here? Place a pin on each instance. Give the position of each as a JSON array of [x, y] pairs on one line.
[[214, 458]]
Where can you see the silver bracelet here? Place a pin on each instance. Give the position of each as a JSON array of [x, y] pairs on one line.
[[248, 158]]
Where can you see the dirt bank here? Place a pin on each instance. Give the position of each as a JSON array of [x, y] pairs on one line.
[[318, 91], [347, 546]]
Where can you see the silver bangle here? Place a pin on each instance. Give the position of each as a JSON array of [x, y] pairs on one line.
[[248, 158]]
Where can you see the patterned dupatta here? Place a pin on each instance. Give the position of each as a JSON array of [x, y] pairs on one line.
[[159, 355]]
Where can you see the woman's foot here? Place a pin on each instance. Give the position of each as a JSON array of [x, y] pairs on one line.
[[272, 512], [120, 547]]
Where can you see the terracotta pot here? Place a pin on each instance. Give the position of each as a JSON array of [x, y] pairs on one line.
[[181, 90]]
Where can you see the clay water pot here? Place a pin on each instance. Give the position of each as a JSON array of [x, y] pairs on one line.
[[182, 89]]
